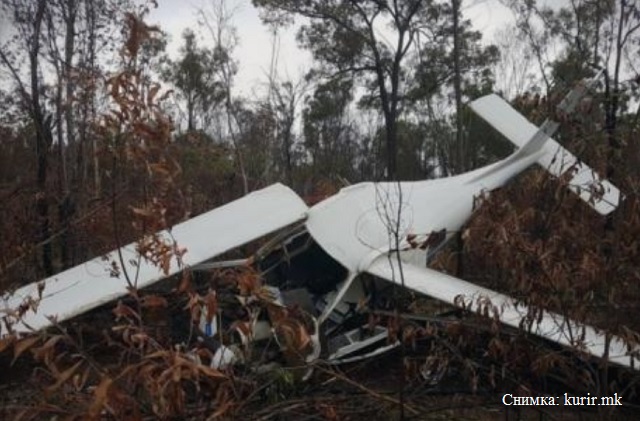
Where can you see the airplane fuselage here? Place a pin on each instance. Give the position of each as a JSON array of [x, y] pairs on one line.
[[367, 220]]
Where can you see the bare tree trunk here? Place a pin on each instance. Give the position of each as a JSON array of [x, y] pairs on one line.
[[92, 28], [457, 82], [67, 204], [43, 141], [69, 51], [287, 136], [232, 132], [612, 93], [217, 30], [273, 70], [191, 105]]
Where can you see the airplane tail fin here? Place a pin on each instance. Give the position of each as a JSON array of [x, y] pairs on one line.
[[600, 194]]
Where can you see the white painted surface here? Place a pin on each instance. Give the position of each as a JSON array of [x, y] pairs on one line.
[[360, 222], [89, 285], [552, 326], [556, 159]]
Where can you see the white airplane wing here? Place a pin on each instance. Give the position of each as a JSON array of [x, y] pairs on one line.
[[555, 159], [553, 327], [92, 283]]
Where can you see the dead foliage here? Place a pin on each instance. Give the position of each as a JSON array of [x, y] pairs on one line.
[[536, 241]]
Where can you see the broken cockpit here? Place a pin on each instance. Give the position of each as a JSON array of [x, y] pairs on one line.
[[307, 312]]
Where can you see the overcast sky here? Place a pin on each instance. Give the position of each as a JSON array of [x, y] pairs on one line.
[[255, 41]]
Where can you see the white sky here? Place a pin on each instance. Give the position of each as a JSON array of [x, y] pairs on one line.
[[255, 40]]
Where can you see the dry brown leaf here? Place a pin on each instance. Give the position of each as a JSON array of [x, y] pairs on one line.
[[210, 372], [7, 342], [154, 301], [22, 345], [153, 91], [100, 395], [242, 327], [40, 352], [63, 377], [185, 282], [248, 283], [123, 310]]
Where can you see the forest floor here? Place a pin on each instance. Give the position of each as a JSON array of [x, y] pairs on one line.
[[369, 390], [373, 389]]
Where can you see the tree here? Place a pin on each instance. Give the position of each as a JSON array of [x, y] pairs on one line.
[[514, 69], [457, 78], [593, 35], [285, 98], [400, 51], [29, 20], [194, 75], [452, 66], [51, 57], [224, 37], [328, 133], [346, 37]]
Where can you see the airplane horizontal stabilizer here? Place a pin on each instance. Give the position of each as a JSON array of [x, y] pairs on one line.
[[600, 194]]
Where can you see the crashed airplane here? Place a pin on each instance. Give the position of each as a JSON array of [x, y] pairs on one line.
[[368, 228]]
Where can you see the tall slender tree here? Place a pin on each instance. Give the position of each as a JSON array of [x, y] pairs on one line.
[[366, 39], [328, 134], [217, 21], [194, 76]]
